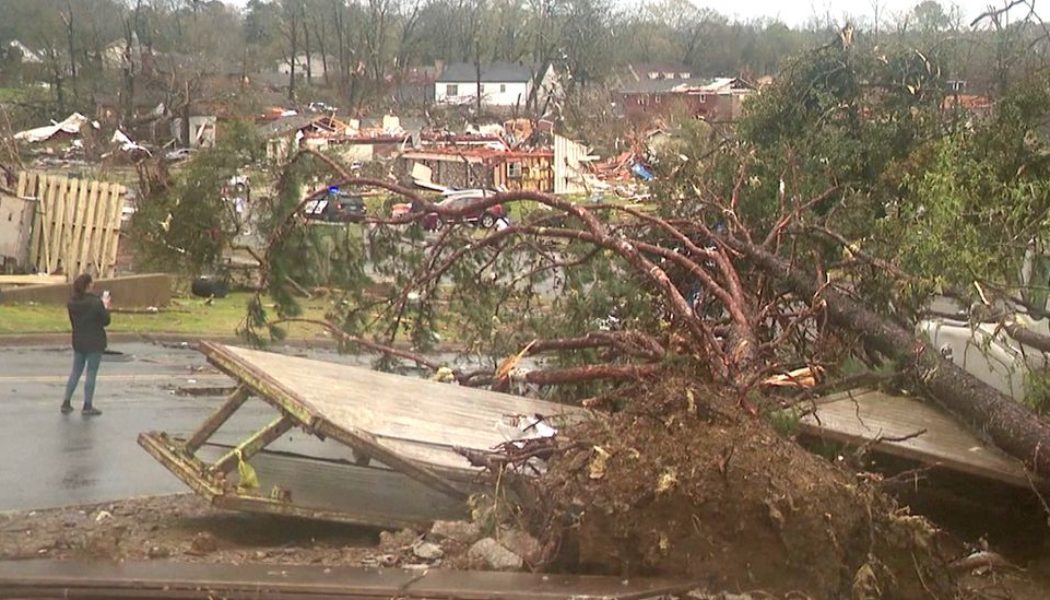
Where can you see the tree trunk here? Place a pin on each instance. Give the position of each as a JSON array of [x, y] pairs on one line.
[[344, 67], [1010, 425], [187, 132], [309, 56], [70, 37], [1027, 336], [293, 40], [319, 34]]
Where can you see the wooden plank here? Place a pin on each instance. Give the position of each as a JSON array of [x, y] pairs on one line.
[[30, 190], [251, 446], [90, 213], [37, 189], [80, 228], [22, 185], [70, 194], [315, 488], [47, 192], [341, 492], [909, 428], [113, 237], [170, 579], [31, 279], [220, 416], [407, 423], [101, 214], [58, 185]]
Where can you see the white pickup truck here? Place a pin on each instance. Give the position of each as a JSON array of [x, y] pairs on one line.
[[985, 349]]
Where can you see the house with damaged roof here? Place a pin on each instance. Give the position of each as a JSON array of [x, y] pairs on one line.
[[655, 90], [499, 84]]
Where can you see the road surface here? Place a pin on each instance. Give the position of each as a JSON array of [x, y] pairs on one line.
[[48, 459]]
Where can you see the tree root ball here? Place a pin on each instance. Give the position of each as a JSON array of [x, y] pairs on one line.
[[684, 483]]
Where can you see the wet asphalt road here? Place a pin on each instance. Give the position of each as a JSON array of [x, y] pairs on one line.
[[48, 459]]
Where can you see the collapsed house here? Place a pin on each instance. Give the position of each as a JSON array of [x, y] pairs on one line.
[[718, 100], [482, 168]]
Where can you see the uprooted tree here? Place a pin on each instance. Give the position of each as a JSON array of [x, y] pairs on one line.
[[815, 238]]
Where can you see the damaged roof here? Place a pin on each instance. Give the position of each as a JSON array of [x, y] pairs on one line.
[[496, 72], [707, 85]]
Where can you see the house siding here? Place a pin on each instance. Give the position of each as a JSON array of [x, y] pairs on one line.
[[512, 94]]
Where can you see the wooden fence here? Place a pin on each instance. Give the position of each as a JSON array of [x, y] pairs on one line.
[[76, 227]]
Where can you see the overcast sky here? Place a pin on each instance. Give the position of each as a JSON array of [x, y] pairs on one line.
[[795, 12]]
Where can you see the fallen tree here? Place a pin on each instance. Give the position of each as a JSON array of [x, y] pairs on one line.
[[661, 253], [810, 244]]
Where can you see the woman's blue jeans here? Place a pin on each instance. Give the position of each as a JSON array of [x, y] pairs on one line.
[[81, 359]]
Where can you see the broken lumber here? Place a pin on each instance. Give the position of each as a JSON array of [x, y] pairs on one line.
[[1010, 425]]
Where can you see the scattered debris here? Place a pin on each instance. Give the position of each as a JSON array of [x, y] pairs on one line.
[[462, 532], [522, 544], [494, 556], [204, 391], [69, 126], [203, 543], [427, 551]]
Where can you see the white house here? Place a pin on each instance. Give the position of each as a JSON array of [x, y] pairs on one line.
[[502, 84], [317, 64], [28, 55]]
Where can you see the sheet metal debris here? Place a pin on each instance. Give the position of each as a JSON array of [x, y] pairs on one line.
[[71, 125], [403, 439]]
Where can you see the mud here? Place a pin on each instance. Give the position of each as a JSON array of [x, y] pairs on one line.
[[182, 528], [683, 482]]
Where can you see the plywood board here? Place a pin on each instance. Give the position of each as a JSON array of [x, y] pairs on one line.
[[312, 488], [410, 424], [912, 429]]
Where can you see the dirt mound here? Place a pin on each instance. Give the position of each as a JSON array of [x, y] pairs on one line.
[[683, 482]]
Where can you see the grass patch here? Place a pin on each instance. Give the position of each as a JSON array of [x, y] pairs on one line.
[[185, 315]]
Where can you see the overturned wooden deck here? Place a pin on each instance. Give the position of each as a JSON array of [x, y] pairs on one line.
[[912, 429], [404, 433]]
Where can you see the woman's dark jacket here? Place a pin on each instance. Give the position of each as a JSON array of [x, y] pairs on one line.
[[89, 319]]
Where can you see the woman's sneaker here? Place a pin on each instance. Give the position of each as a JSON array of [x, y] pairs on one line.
[[66, 409], [91, 412]]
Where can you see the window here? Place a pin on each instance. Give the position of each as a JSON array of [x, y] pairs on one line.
[[703, 99], [452, 89], [502, 88], [684, 75], [514, 170], [654, 75]]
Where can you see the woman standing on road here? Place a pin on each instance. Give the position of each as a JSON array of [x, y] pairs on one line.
[[89, 316]]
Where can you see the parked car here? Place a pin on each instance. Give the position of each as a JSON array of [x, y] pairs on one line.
[[486, 218], [336, 207]]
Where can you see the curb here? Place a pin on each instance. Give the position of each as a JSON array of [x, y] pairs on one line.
[[62, 339]]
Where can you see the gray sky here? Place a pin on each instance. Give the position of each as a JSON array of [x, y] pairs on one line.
[[795, 12], [799, 11]]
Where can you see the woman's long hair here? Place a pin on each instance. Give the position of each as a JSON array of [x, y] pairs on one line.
[[80, 285]]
